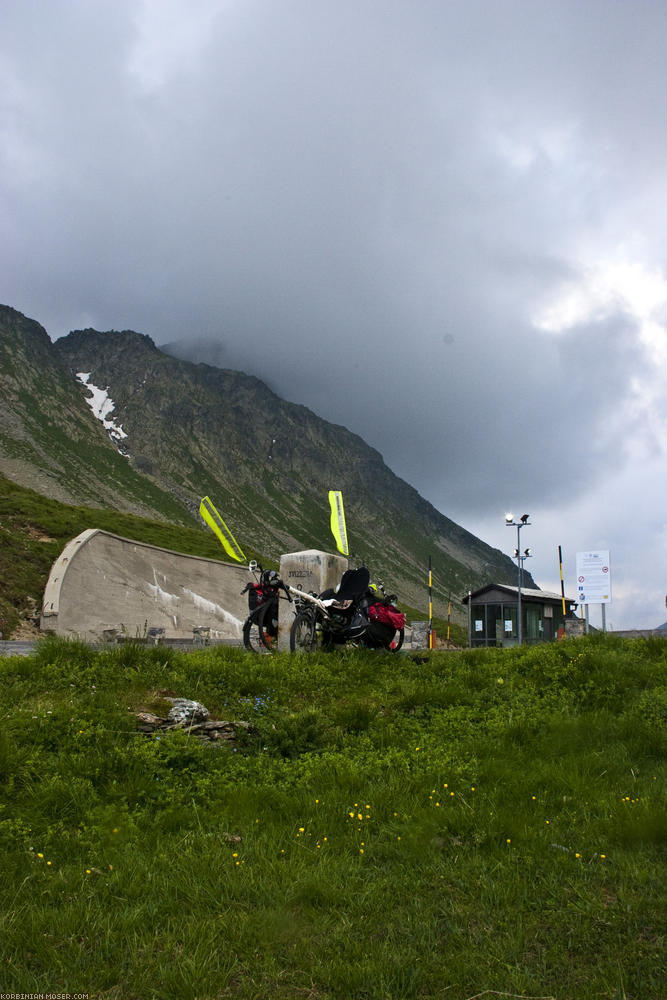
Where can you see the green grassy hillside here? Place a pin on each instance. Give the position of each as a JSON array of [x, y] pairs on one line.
[[454, 825], [459, 825]]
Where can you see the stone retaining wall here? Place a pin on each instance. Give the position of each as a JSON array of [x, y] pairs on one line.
[[104, 585]]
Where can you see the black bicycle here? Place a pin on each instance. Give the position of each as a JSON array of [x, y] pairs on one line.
[[357, 614], [260, 629]]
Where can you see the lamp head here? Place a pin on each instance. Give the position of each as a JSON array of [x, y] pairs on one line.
[[509, 518], [524, 518], [528, 553]]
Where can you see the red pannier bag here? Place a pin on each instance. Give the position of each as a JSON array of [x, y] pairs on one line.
[[386, 615], [256, 596]]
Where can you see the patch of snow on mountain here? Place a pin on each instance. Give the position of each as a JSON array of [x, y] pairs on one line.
[[102, 406]]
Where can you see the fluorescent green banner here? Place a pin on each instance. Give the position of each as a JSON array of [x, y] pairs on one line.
[[338, 529], [219, 528]]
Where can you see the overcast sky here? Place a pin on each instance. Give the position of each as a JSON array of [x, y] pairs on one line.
[[442, 223]]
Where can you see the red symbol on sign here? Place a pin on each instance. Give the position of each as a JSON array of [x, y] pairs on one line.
[[605, 569], [581, 579]]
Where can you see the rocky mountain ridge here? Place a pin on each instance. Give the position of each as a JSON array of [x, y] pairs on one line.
[[195, 430]]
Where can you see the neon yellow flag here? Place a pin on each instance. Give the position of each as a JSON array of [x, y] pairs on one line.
[[338, 529], [219, 528]]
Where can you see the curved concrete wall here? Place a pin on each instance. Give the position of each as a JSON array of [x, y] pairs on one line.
[[101, 581]]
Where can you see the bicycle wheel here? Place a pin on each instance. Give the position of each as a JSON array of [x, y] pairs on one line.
[[255, 634], [397, 641], [304, 636]]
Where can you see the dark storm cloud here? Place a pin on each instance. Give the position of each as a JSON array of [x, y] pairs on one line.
[[373, 206]]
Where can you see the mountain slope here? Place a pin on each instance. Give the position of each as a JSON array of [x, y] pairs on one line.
[[193, 429], [49, 439]]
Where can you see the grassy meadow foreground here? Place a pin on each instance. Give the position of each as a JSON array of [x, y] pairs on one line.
[[452, 825]]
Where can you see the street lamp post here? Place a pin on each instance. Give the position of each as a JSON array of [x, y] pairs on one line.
[[522, 556], [521, 523]]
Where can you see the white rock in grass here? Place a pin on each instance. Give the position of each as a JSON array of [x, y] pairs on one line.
[[187, 713]]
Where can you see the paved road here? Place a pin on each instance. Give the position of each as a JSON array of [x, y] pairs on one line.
[[21, 647], [17, 647]]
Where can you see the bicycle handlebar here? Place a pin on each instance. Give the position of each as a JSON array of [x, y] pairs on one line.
[[304, 596]]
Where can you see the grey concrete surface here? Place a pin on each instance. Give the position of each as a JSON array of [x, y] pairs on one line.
[[311, 571], [16, 647], [26, 647], [103, 586]]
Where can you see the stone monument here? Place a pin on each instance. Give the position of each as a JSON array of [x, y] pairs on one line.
[[311, 571]]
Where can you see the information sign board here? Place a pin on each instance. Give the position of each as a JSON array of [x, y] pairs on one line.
[[593, 577]]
